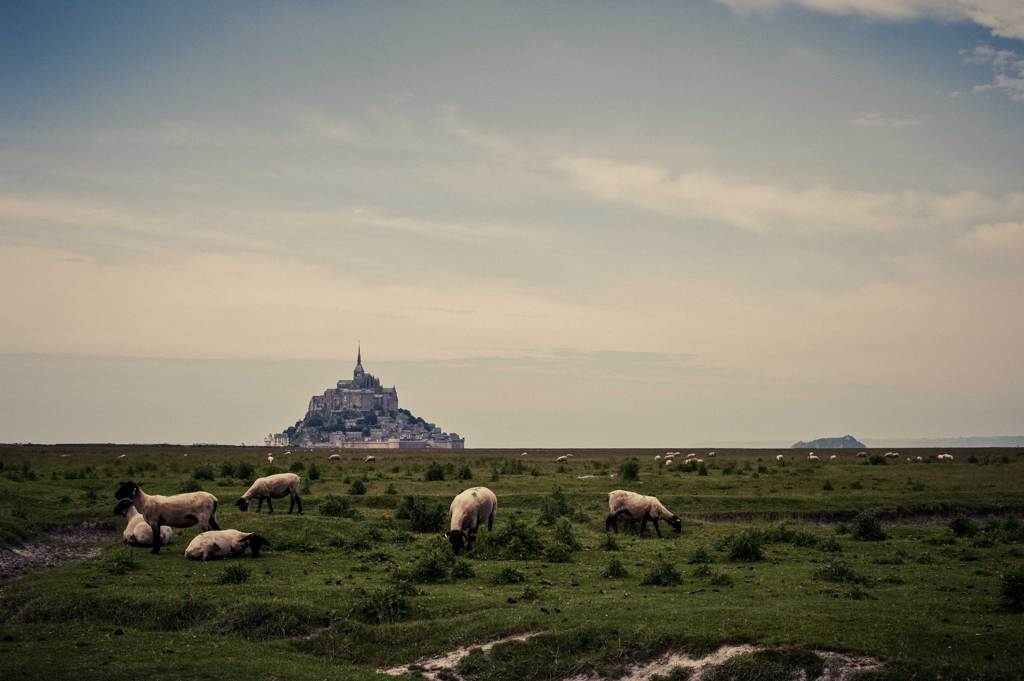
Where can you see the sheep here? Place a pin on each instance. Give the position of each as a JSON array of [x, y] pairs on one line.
[[668, 462], [691, 455], [861, 455], [224, 544], [945, 457], [813, 457], [657, 457], [919, 459], [699, 461], [780, 458], [334, 457], [833, 457], [137, 532], [524, 454], [180, 510], [892, 455], [270, 458], [370, 458], [562, 459], [272, 487], [711, 455], [123, 456], [639, 507], [468, 511]]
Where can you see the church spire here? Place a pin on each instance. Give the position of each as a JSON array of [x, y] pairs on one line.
[[359, 361]]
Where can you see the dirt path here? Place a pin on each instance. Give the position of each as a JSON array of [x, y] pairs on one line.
[[443, 666], [57, 545]]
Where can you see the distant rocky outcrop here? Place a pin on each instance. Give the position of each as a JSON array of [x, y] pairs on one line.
[[844, 442]]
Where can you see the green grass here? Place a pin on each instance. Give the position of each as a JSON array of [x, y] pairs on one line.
[[361, 582]]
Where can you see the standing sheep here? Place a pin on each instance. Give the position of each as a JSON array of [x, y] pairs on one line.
[[469, 509], [272, 487], [639, 507], [562, 459], [180, 510], [780, 458], [224, 544], [370, 458], [137, 532]]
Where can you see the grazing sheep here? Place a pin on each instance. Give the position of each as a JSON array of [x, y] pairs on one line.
[[137, 532], [639, 507], [524, 454], [711, 455], [272, 487], [468, 511], [657, 457], [180, 510], [224, 544], [813, 457], [691, 455], [123, 456], [370, 458], [780, 458], [833, 457], [562, 459], [861, 455], [668, 462], [919, 459], [892, 455], [270, 458], [945, 457], [334, 457]]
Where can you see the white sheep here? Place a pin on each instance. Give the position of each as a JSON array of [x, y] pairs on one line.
[[657, 457], [524, 454], [270, 458], [691, 455], [919, 459], [780, 458], [224, 544], [813, 457], [861, 455], [123, 456], [334, 457], [635, 507], [945, 457], [833, 457], [699, 461], [711, 455], [562, 459], [370, 458], [668, 462], [180, 510], [137, 532], [272, 487], [468, 511]]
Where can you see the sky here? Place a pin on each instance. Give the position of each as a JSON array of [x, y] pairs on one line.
[[548, 224]]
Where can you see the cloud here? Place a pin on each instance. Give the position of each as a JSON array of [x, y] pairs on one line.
[[1007, 69], [874, 119], [1002, 240], [1004, 18], [765, 207]]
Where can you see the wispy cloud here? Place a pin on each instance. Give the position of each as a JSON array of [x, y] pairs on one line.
[[874, 119], [766, 207], [1001, 240], [1004, 18], [1007, 69]]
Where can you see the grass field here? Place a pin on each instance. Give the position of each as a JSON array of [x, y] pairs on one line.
[[781, 556]]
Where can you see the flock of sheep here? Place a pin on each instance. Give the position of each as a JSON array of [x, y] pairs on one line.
[[151, 517]]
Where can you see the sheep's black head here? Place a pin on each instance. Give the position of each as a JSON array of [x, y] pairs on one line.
[[122, 506], [256, 542], [126, 490], [676, 522], [242, 504], [458, 539]]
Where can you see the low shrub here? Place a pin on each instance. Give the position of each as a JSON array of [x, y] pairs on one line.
[[827, 487], [831, 545], [423, 514], [433, 565], [867, 527], [630, 469], [514, 540], [614, 569], [465, 473], [563, 534], [555, 505], [744, 546], [610, 543], [190, 485], [663, 574], [434, 472], [357, 488], [509, 575], [389, 604], [699, 556], [837, 571], [462, 569], [297, 467], [121, 562], [338, 507], [234, 574], [963, 526], [204, 472], [314, 472]]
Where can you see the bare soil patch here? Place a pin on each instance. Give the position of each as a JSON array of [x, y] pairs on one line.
[[434, 667], [58, 545]]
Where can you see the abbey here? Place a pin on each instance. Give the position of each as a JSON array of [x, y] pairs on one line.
[[362, 413]]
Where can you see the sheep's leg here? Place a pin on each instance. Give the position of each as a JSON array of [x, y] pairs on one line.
[[212, 522], [609, 523], [657, 528], [298, 502], [643, 524], [260, 507], [270, 504], [490, 521], [156, 536], [291, 503]]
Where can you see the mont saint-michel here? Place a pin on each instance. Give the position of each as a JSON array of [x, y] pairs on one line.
[[362, 413]]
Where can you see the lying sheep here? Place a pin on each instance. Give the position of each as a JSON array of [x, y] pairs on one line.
[[224, 544], [711, 455], [334, 457], [272, 487], [180, 510], [635, 507], [861, 455], [562, 459], [813, 457], [370, 458], [469, 509], [833, 457], [657, 457], [668, 462], [137, 532]]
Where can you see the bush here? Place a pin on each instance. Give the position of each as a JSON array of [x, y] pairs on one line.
[[963, 526], [462, 569], [876, 460], [563, 534], [831, 545], [556, 552], [630, 469], [856, 484], [615, 569], [702, 470], [234, 574], [434, 472], [391, 489], [509, 575], [190, 485], [465, 473], [433, 566], [314, 472], [1013, 590], [424, 515], [837, 571], [358, 487], [867, 527], [297, 467], [271, 469], [204, 472], [385, 605], [700, 556], [336, 506], [663, 574], [512, 541], [555, 505], [245, 471], [744, 546], [610, 543]]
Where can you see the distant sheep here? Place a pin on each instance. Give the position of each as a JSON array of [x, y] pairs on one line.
[[224, 544], [524, 454], [813, 457], [180, 510], [833, 457], [668, 462], [562, 459], [780, 458], [270, 458], [699, 461], [370, 459], [657, 457], [861, 455], [635, 507], [892, 455], [334, 457], [137, 532], [711, 455], [945, 457], [468, 511], [272, 487]]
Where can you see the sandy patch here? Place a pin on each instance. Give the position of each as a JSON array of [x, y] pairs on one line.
[[432, 667]]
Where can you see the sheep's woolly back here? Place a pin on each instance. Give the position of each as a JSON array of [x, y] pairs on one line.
[[217, 544], [138, 533], [273, 486], [180, 510], [471, 508], [637, 505]]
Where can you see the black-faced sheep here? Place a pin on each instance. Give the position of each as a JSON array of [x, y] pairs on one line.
[[137, 532], [635, 507], [224, 544], [469, 509], [180, 510], [272, 487]]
